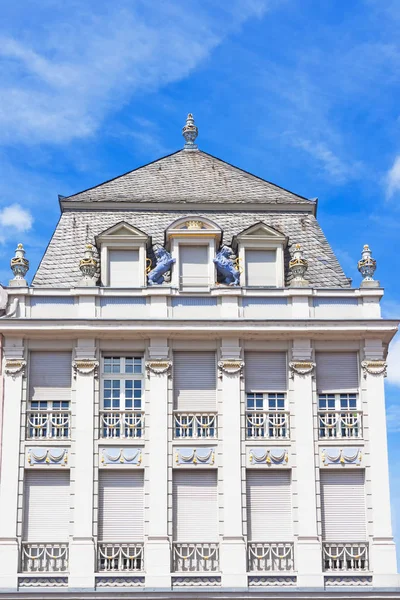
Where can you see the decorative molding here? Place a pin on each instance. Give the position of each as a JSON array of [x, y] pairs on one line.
[[194, 456], [347, 581], [15, 366], [374, 367], [341, 457], [56, 457], [85, 366], [158, 367], [209, 581], [268, 456], [116, 581], [121, 456], [43, 582], [230, 366], [272, 581], [301, 367]]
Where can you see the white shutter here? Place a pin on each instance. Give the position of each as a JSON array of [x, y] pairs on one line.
[[343, 506], [121, 506], [260, 267], [194, 268], [46, 506], [195, 506], [195, 381], [50, 375], [269, 506], [337, 371], [123, 268], [265, 371]]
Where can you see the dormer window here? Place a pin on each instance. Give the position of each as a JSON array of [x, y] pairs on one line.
[[260, 250], [123, 256]]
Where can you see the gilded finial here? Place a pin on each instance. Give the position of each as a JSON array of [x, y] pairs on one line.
[[367, 267], [19, 266], [298, 266], [88, 267], [190, 133]]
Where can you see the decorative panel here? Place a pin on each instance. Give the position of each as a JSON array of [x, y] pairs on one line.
[[194, 456], [341, 457], [118, 457], [268, 456], [44, 456]]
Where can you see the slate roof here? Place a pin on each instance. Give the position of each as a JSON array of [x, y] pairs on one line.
[[59, 267], [189, 177]]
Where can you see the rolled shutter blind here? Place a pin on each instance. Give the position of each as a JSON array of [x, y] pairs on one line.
[[343, 506], [46, 506], [195, 506], [194, 265], [337, 371], [121, 506], [265, 371], [269, 506], [260, 267], [195, 381], [50, 375], [123, 268]]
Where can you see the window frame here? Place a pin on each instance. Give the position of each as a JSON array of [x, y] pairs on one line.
[[122, 376]]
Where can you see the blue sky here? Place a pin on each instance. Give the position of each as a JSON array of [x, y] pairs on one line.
[[303, 93]]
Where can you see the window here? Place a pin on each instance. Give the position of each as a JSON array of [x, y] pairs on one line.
[[266, 383], [337, 383], [122, 391], [194, 266], [124, 268], [261, 268]]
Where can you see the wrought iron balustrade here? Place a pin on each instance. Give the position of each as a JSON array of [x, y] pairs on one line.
[[345, 556], [195, 558], [42, 557], [267, 425], [195, 425], [270, 556], [340, 424], [128, 424], [120, 556], [48, 424]]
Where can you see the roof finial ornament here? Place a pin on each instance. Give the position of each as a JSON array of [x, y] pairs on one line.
[[367, 268], [19, 266], [88, 267], [190, 133], [298, 266]]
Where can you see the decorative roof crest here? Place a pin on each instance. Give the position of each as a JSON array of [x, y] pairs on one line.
[[190, 133], [19, 266], [367, 268], [88, 267], [298, 266]]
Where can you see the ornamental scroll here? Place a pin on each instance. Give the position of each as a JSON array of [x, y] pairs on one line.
[[230, 366], [85, 366], [301, 367], [158, 367], [374, 367], [14, 366]]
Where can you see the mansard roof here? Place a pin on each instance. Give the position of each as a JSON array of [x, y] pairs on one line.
[[188, 177], [60, 264]]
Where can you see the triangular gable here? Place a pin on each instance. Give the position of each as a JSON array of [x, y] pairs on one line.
[[122, 231], [261, 231]]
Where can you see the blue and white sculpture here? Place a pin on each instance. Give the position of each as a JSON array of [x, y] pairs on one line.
[[164, 264], [227, 269]]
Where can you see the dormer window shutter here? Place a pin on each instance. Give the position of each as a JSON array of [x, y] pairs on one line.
[[124, 268], [261, 268], [194, 266]]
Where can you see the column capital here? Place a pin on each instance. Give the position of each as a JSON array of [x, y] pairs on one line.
[[85, 366], [230, 366], [301, 367], [158, 366], [374, 367], [14, 366]]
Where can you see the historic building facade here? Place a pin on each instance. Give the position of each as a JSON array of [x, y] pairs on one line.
[[193, 396]]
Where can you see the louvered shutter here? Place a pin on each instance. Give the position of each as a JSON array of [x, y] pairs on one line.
[[195, 506], [260, 267], [194, 267], [337, 371], [123, 268], [46, 506], [265, 371], [269, 506], [343, 506], [121, 506], [195, 381], [50, 375]]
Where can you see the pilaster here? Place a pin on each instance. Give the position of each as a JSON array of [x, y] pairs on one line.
[[157, 548], [82, 547], [382, 550], [14, 366], [233, 546], [308, 551]]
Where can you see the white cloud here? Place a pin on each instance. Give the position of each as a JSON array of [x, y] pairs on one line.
[[393, 178], [15, 217], [394, 364], [393, 418], [339, 170]]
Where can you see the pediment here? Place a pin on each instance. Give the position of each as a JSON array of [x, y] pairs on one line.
[[122, 232], [261, 231]]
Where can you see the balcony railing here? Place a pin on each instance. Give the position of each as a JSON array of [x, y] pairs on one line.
[[195, 558], [267, 425], [345, 556], [45, 425], [115, 557], [121, 424], [270, 556], [41, 558], [340, 424], [195, 425]]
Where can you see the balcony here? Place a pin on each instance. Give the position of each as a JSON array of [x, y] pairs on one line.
[[117, 557], [195, 558], [188, 425], [345, 556], [271, 425], [48, 425], [339, 425], [116, 424], [44, 558], [270, 556]]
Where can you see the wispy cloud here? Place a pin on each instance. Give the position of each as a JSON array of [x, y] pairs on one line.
[[16, 217], [339, 170], [393, 178]]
